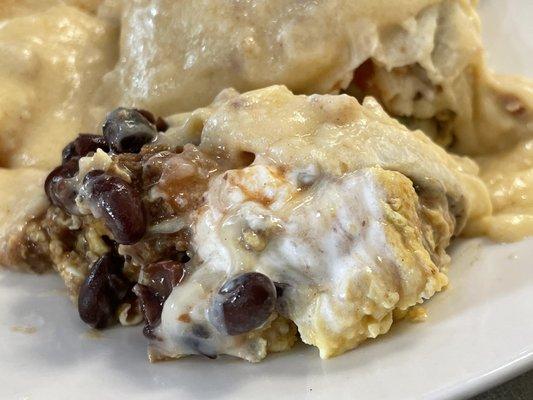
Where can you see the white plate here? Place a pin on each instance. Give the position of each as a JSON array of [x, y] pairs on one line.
[[479, 333]]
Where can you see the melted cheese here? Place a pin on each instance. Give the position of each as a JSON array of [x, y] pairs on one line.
[[50, 64], [334, 132]]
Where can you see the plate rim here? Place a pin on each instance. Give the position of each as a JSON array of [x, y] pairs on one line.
[[487, 380]]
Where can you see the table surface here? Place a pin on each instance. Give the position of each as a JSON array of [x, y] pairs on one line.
[[520, 388]]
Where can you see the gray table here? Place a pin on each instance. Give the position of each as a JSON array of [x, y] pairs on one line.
[[520, 388]]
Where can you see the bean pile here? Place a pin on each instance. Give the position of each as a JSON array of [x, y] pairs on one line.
[[243, 303]]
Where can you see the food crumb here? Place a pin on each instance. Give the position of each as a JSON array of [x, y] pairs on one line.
[[184, 318], [24, 329], [417, 314], [93, 334]]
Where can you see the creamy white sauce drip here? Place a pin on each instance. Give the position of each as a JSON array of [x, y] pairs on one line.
[[328, 242], [509, 178]]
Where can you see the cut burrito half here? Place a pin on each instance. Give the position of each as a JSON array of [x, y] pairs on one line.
[[422, 59], [235, 228]]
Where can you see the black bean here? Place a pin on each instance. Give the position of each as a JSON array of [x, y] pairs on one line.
[[60, 189], [162, 276], [119, 205], [182, 257], [92, 174], [119, 285], [161, 125], [84, 144], [243, 303], [146, 114], [151, 307], [102, 291], [150, 304], [126, 130]]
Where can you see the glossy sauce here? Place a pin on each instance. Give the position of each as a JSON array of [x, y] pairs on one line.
[[63, 64], [509, 178]]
